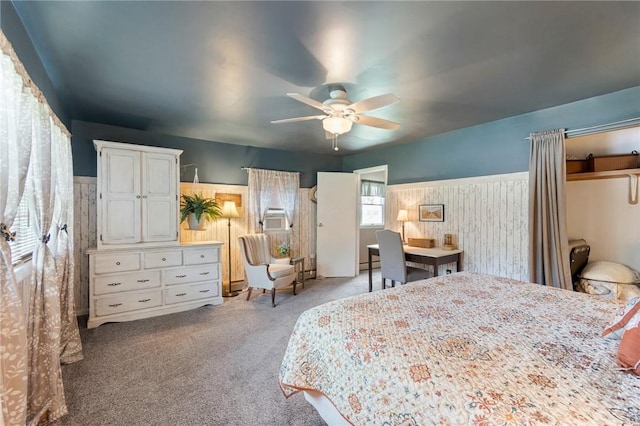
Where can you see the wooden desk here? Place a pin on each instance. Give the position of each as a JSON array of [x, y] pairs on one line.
[[426, 256]]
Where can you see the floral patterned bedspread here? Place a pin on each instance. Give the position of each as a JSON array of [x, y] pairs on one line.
[[466, 348]]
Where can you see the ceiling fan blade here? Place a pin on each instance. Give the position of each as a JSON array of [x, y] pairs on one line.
[[309, 101], [374, 103], [293, 120], [377, 122]]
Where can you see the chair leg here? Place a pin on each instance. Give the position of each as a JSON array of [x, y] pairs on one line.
[[294, 288], [393, 283], [273, 297], [249, 293]]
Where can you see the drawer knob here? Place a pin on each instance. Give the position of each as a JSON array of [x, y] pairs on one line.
[[204, 291], [113, 284], [142, 281], [118, 263], [181, 294], [202, 256], [164, 259], [144, 300], [204, 273], [115, 305], [180, 276]]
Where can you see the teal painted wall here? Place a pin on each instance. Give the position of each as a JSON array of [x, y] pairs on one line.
[[491, 148], [19, 39], [217, 162]]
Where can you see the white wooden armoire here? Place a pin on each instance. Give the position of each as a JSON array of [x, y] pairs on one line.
[[139, 268]]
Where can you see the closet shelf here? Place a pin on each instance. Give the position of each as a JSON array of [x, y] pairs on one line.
[[609, 174]]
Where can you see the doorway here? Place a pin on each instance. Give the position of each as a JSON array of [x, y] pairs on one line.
[[371, 203]]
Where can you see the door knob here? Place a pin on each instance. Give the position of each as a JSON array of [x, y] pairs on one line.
[[320, 225]]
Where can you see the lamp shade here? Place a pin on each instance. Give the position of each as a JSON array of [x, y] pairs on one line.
[[337, 125], [229, 210], [403, 216]]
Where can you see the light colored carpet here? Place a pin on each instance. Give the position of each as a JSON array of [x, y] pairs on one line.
[[216, 365]]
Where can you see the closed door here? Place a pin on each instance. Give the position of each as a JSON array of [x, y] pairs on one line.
[[337, 240], [120, 197], [159, 197]]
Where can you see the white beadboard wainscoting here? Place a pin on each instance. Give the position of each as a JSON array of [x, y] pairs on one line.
[[85, 231], [488, 217]]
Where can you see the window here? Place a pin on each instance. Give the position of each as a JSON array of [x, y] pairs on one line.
[[372, 203], [26, 240]]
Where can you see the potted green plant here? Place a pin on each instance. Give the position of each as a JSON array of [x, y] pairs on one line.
[[196, 209]]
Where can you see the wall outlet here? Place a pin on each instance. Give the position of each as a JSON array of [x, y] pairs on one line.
[[448, 271]]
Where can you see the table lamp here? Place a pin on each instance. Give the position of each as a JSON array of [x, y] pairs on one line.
[[403, 217]]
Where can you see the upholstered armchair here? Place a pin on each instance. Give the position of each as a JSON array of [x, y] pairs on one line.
[[261, 269]]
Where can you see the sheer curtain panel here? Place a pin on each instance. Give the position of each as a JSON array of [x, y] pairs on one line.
[[70, 347], [548, 241], [261, 187], [35, 159], [288, 185], [16, 101]]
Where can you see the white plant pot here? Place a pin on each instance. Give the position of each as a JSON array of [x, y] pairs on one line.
[[193, 223]]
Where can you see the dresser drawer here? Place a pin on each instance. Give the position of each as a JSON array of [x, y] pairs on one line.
[[128, 302], [190, 274], [117, 283], [199, 256], [117, 262], [190, 292], [161, 259]]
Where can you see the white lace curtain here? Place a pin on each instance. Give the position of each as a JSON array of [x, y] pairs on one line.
[[262, 186], [288, 185], [35, 158], [15, 150]]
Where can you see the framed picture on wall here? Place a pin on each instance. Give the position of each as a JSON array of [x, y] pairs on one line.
[[431, 212]]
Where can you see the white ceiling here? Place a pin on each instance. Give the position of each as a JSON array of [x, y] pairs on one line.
[[219, 71]]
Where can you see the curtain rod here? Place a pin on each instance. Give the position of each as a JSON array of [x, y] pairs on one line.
[[587, 130], [271, 170]]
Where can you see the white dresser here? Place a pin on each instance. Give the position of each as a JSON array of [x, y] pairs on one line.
[[139, 268], [129, 284]]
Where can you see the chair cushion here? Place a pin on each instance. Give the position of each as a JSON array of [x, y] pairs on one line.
[[277, 270]]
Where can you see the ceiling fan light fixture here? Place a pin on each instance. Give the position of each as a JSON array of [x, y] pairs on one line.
[[337, 125]]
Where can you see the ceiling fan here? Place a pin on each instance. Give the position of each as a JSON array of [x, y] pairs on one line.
[[340, 113]]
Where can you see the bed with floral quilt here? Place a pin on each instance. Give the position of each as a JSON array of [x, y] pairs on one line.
[[466, 348]]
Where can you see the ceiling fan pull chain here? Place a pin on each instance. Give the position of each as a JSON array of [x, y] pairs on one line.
[[335, 142]]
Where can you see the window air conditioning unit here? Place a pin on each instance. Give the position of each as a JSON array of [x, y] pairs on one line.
[[275, 223]]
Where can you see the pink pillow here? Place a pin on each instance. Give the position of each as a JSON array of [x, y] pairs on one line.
[[629, 315], [629, 350]]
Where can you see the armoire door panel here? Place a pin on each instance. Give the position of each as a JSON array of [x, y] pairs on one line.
[[120, 229], [159, 175], [124, 176], [160, 220]]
